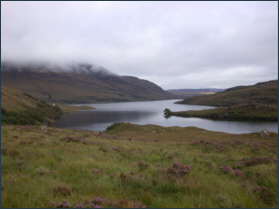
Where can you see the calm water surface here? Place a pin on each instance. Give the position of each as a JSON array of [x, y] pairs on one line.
[[151, 112]]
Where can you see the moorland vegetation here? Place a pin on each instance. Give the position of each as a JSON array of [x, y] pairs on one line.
[[133, 166], [129, 166]]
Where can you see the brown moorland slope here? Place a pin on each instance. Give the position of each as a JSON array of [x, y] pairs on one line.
[[78, 84]]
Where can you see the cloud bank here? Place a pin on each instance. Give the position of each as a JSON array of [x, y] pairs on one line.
[[174, 44]]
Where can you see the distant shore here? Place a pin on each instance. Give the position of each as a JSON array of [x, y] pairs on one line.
[[250, 112]]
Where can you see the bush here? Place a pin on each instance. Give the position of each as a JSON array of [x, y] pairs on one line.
[[167, 113], [4, 111]]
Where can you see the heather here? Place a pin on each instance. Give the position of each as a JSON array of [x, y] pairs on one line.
[[133, 166]]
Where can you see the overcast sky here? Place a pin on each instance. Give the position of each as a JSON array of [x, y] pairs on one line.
[[173, 44]]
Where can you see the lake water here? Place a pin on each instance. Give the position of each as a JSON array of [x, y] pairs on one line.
[[151, 112]]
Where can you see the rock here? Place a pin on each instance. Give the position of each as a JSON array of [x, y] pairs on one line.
[[264, 133], [43, 128]]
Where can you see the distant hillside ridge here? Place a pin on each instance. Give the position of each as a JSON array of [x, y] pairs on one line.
[[185, 93], [260, 93], [78, 83], [197, 90]]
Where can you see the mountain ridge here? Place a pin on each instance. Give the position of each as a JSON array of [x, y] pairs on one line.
[[79, 83]]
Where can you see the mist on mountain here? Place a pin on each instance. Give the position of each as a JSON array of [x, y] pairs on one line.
[[43, 67]]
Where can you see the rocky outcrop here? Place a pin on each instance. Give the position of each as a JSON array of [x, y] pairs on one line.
[[264, 133]]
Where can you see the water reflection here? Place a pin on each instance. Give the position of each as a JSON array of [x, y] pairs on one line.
[[90, 117], [152, 112]]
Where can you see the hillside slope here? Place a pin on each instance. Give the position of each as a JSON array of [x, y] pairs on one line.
[[78, 84], [260, 93], [14, 100], [23, 109]]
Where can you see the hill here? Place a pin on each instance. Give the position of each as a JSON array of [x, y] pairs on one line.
[[78, 83], [15, 100], [249, 112], [19, 108], [134, 166], [24, 109], [260, 93], [185, 93]]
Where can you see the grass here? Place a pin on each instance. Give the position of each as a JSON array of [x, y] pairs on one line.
[[136, 166], [261, 93], [42, 114], [68, 108], [255, 112], [23, 109], [258, 102], [15, 101]]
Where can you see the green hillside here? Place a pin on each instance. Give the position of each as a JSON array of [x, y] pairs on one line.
[[260, 93], [78, 84], [24, 109], [249, 112], [15, 100]]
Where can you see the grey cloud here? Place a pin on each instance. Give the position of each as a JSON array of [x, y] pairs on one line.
[[174, 44]]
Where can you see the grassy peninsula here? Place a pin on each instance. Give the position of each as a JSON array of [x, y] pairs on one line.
[[250, 112], [69, 108], [258, 103], [133, 166]]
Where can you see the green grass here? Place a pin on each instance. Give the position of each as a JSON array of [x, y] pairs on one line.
[[261, 93], [23, 109], [36, 160], [258, 102], [255, 112], [19, 108], [42, 114], [68, 108]]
